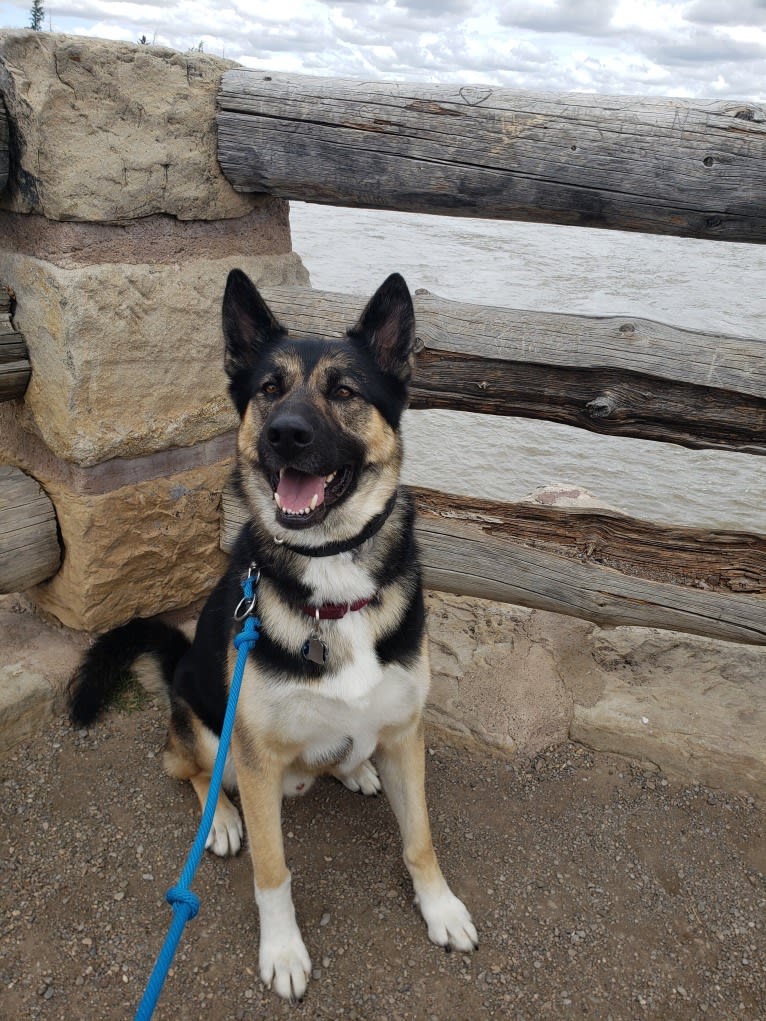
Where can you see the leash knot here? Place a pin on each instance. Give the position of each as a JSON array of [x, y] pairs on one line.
[[249, 634], [190, 900]]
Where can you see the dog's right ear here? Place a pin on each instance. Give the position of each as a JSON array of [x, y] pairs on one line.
[[248, 323]]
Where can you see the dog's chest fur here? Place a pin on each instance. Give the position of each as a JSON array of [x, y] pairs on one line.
[[345, 708]]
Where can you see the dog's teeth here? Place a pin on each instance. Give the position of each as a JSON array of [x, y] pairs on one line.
[[277, 501], [314, 501], [330, 477]]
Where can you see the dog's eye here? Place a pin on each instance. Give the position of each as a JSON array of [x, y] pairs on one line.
[[271, 388], [342, 393]]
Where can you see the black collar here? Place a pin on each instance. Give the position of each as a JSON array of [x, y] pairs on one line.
[[330, 549]]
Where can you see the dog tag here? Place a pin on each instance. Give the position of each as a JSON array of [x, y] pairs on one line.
[[315, 650]]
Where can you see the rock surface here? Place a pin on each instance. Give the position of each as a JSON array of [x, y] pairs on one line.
[[109, 131], [694, 706], [495, 678], [136, 550], [127, 359], [36, 660], [520, 680]]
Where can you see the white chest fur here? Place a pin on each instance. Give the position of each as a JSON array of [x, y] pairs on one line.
[[337, 579], [348, 706], [321, 722], [340, 579]]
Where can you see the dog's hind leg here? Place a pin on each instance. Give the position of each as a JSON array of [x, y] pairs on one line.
[[363, 779], [190, 755], [225, 836], [401, 761]]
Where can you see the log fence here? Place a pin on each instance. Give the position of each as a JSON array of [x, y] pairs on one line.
[[674, 167]]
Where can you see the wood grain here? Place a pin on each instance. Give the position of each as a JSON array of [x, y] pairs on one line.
[[713, 560], [458, 557], [29, 546], [15, 369], [692, 168]]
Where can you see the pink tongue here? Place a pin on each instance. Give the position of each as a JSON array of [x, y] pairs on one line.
[[296, 490]]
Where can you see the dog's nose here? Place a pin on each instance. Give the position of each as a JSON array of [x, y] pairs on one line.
[[289, 435]]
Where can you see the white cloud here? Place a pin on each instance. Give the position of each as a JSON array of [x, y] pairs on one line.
[[673, 47], [579, 17], [726, 12]]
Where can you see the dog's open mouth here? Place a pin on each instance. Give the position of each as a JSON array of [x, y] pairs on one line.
[[303, 500]]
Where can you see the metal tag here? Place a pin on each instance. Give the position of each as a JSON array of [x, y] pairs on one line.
[[315, 651]]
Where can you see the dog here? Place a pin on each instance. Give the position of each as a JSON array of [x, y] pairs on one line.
[[340, 673]]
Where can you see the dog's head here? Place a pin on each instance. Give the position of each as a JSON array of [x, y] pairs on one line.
[[319, 446]]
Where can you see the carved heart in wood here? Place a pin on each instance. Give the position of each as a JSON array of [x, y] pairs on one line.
[[473, 96]]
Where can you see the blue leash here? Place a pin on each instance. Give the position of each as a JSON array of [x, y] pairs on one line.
[[183, 900]]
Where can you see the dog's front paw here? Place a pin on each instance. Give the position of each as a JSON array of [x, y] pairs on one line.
[[449, 922], [282, 959], [364, 778], [285, 965], [225, 836]]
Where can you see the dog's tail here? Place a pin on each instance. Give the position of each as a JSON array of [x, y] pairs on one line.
[[147, 649]]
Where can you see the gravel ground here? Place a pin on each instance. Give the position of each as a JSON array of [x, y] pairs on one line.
[[599, 888]]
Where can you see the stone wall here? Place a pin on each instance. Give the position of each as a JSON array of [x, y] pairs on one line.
[[117, 231]]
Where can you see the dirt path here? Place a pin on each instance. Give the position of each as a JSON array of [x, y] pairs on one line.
[[600, 890]]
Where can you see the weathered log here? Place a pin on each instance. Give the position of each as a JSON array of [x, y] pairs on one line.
[[598, 565], [705, 559], [4, 154], [609, 374], [665, 166], [15, 369], [458, 557], [29, 545]]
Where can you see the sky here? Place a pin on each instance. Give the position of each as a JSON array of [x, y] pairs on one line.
[[688, 48]]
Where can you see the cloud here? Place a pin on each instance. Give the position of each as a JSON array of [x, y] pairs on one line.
[[575, 17], [437, 8], [727, 12], [706, 48]]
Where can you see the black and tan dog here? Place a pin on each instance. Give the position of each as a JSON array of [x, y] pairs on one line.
[[341, 672]]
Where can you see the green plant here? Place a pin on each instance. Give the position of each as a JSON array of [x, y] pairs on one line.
[[37, 16]]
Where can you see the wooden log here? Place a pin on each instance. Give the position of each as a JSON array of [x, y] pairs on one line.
[[29, 545], [692, 168], [598, 565], [458, 557], [710, 560], [15, 369], [615, 375], [4, 154]]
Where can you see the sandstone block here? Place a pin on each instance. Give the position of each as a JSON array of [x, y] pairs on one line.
[[494, 678], [36, 660], [519, 680], [108, 131], [696, 707], [135, 550], [127, 359]]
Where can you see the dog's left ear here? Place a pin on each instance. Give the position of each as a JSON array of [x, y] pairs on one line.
[[387, 327], [248, 323]]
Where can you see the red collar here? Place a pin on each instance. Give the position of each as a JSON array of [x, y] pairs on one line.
[[334, 611]]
